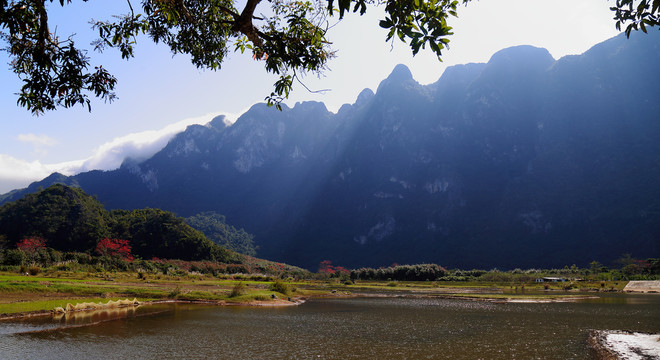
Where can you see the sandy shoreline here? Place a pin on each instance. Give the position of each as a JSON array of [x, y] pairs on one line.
[[617, 344]]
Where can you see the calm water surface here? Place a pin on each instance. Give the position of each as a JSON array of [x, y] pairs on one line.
[[359, 328]]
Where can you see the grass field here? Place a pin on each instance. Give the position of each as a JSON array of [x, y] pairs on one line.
[[23, 293]]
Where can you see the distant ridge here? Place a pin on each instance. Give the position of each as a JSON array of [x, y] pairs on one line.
[[525, 161]]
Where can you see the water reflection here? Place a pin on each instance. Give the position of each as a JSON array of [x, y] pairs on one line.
[[342, 329], [78, 318]]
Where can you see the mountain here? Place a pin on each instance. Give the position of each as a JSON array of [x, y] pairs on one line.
[[525, 161]]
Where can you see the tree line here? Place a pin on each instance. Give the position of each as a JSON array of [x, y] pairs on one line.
[[420, 272], [628, 269]]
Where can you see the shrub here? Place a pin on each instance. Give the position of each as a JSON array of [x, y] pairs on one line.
[[34, 270], [238, 290], [570, 286], [174, 293], [67, 266], [55, 256], [280, 287], [113, 263], [177, 272], [14, 257], [80, 258], [259, 277]]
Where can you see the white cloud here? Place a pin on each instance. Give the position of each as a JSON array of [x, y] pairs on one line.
[[38, 142], [139, 146], [16, 173]]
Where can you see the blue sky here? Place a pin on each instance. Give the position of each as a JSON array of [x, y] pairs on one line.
[[160, 94]]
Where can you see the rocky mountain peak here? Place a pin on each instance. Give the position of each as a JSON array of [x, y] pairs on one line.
[[505, 164], [400, 73], [520, 59], [219, 122], [310, 107], [364, 96], [399, 78]]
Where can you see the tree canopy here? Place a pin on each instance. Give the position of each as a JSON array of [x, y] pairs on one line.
[[68, 219], [289, 37], [216, 229]]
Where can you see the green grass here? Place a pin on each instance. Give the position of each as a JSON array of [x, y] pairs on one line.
[[22, 278], [261, 295], [47, 305], [22, 287], [44, 285]]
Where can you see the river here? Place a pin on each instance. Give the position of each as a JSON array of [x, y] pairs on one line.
[[352, 328]]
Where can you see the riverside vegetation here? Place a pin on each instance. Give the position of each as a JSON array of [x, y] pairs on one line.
[[45, 279], [60, 245]]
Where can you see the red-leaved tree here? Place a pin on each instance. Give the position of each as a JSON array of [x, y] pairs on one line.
[[31, 245], [114, 247], [325, 267]]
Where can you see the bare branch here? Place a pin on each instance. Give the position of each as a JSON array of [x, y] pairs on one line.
[[130, 6], [322, 91]]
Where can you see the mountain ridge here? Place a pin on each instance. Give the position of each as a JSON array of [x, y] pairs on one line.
[[522, 161]]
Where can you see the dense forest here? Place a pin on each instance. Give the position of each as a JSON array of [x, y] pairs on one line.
[[216, 229], [67, 219]]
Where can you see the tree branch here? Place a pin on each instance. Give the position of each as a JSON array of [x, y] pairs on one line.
[[43, 29], [130, 6], [244, 24], [322, 91], [186, 13], [229, 12]]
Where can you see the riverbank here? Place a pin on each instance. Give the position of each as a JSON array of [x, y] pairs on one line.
[[22, 295], [34, 295], [53, 312]]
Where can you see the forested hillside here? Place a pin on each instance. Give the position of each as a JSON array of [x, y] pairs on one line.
[[67, 219]]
